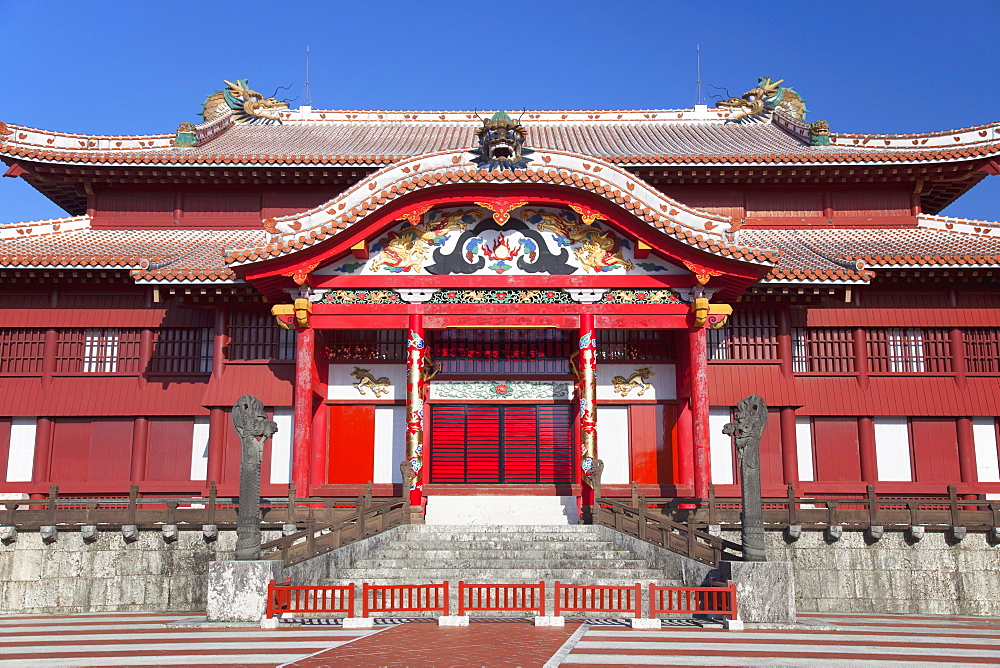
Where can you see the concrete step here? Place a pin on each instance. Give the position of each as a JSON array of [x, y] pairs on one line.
[[410, 552], [498, 575], [502, 544], [475, 564]]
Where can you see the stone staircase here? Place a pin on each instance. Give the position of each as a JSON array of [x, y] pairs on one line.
[[571, 554]]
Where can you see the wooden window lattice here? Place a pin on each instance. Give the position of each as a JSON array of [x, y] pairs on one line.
[[21, 351], [635, 345], [982, 350], [822, 350], [909, 350], [501, 351], [366, 345], [748, 335], [182, 350], [98, 350], [256, 336]]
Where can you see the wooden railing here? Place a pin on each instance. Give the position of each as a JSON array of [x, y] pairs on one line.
[[653, 526], [68, 513], [893, 512], [365, 520]]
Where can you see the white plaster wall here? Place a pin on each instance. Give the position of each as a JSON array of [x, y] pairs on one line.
[[390, 443], [984, 435], [281, 447], [804, 447], [892, 449], [612, 444], [664, 385], [720, 445], [502, 510], [21, 456], [199, 448], [341, 382]]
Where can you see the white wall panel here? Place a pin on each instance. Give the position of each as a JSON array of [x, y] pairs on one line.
[[281, 447], [199, 448], [804, 447], [390, 443], [721, 446], [21, 456], [341, 382], [984, 434], [892, 449], [612, 444], [663, 385]]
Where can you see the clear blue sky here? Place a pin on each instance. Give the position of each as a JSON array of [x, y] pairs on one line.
[[141, 67]]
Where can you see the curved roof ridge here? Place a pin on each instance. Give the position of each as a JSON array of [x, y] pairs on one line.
[[706, 231], [36, 228]]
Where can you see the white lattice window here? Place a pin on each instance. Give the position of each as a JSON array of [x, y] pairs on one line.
[[100, 350]]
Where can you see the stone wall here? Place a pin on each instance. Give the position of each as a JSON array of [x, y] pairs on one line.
[[891, 575], [108, 574]]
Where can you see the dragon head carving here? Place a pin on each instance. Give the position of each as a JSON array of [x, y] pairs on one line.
[[247, 105], [760, 103], [501, 143]]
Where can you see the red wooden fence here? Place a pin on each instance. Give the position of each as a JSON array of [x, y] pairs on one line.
[[598, 598], [283, 597], [719, 600], [504, 597], [404, 598]]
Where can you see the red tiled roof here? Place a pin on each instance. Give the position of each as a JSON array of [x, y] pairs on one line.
[[160, 254], [850, 254], [378, 138]]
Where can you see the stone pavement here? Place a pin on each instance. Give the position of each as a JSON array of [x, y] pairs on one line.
[[180, 639]]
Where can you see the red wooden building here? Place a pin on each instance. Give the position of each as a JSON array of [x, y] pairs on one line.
[[509, 306]]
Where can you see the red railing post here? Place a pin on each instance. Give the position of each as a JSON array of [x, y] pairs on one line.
[[271, 603], [461, 598]]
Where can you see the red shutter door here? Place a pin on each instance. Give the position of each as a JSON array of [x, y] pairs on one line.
[[501, 444]]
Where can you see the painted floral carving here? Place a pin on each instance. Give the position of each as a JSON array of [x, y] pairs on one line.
[[512, 296], [665, 296], [596, 249], [361, 297], [552, 240], [407, 249], [505, 389]]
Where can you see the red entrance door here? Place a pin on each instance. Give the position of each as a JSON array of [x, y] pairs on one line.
[[474, 444]]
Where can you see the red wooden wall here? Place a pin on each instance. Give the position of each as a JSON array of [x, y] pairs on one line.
[[91, 450], [836, 449], [934, 450], [168, 453], [351, 454]]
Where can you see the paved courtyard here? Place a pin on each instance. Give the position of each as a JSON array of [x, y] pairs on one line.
[[180, 639]]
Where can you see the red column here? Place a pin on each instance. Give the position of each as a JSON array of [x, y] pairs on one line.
[[860, 351], [866, 444], [587, 365], [140, 441], [685, 440], [967, 454], [218, 423], [303, 408], [699, 411], [416, 350], [789, 446], [958, 357], [43, 450]]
